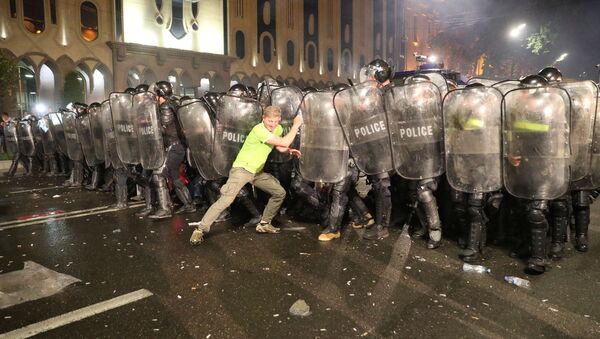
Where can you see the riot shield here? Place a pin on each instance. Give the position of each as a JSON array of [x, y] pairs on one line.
[[506, 85], [536, 143], [10, 138], [324, 150], [57, 130], [439, 81], [483, 81], [47, 141], [25, 137], [472, 130], [111, 156], [125, 133], [84, 134], [199, 131], [237, 116], [74, 150], [360, 112], [151, 146], [415, 116], [583, 95], [288, 99], [595, 165], [97, 133]]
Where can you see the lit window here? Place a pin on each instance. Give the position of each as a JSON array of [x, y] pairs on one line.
[[33, 16], [89, 21]]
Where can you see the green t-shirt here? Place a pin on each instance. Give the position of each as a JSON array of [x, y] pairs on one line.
[[253, 155]]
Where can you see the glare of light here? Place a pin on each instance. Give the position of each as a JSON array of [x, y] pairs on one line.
[[171, 78], [548, 110], [516, 31], [29, 75], [3, 33], [136, 76], [562, 57], [278, 65], [41, 108], [432, 58], [254, 61], [79, 78], [31, 92]]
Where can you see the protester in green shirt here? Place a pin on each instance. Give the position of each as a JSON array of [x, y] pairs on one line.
[[247, 168]]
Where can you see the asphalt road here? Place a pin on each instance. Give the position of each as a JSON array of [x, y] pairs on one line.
[[240, 284]]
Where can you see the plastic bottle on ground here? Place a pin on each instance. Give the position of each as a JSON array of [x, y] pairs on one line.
[[517, 281]]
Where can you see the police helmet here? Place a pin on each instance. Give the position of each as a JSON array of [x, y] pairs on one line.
[[94, 105], [142, 88], [534, 80], [379, 70], [164, 89], [451, 84], [339, 87], [475, 84], [308, 89], [552, 74], [129, 90], [238, 90], [252, 92], [79, 108], [212, 98], [416, 78]]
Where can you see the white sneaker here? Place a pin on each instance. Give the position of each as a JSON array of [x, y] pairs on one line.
[[265, 227]]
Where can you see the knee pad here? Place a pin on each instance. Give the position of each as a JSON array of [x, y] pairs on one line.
[[559, 208], [581, 198], [535, 214], [425, 195], [382, 187]]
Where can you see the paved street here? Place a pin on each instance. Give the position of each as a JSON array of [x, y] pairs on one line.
[[143, 279]]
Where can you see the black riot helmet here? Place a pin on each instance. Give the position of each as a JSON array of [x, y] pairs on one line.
[[308, 89], [164, 89], [238, 90], [252, 92], [552, 74], [451, 84], [339, 87], [94, 105], [79, 108], [129, 90], [379, 70], [142, 88], [212, 98], [534, 80], [475, 85]]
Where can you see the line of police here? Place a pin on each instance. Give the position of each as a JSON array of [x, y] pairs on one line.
[[503, 142]]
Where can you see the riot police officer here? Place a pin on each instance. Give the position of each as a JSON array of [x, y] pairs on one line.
[[174, 157]]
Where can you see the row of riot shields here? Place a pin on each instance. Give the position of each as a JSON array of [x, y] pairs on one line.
[[215, 143]]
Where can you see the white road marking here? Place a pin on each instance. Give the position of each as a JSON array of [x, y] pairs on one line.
[[73, 316], [63, 216], [33, 282], [41, 189]]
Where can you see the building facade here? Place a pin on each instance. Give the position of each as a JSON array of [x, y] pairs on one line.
[[70, 50]]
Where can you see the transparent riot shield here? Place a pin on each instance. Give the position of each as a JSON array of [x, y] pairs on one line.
[[10, 138], [47, 140], [324, 149], [360, 111], [97, 133], [583, 95], [472, 131], [57, 129], [439, 81], [236, 118], [84, 135], [595, 165], [416, 130], [288, 99], [536, 143], [483, 81], [507, 85], [25, 137], [125, 133], [74, 150], [111, 156], [151, 146], [198, 128]]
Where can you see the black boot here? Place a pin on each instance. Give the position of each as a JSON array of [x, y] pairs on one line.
[[376, 232], [538, 261], [93, 185], [164, 200], [473, 250], [251, 208], [13, 167], [121, 194], [582, 221], [559, 230], [185, 197], [148, 199]]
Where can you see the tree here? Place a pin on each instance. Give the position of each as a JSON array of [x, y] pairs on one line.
[[541, 42], [9, 75]]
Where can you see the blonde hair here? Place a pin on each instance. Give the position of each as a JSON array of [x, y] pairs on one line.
[[272, 112]]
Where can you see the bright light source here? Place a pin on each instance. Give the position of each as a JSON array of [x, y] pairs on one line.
[[40, 108], [562, 57], [32, 92], [432, 58], [516, 31], [29, 75], [79, 78], [171, 79], [136, 76]]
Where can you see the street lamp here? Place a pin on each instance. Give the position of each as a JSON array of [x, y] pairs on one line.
[[516, 31]]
